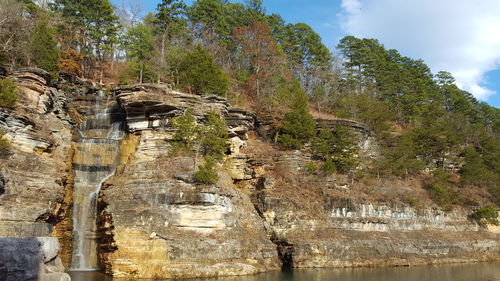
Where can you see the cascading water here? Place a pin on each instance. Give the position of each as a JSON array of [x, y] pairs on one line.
[[95, 159]]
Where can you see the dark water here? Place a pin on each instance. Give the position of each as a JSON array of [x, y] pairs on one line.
[[474, 272]]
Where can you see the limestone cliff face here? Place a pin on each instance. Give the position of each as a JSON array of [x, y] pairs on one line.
[[36, 178], [325, 222], [154, 221], [157, 222], [37, 171]]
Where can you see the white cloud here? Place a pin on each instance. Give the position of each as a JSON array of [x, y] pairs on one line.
[[459, 36]]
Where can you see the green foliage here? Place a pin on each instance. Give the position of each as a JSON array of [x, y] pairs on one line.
[[169, 19], [5, 145], [328, 167], [495, 194], [214, 136], [474, 171], [207, 173], [488, 214], [339, 146], [442, 191], [187, 133], [139, 44], [43, 47], [8, 93], [298, 125], [401, 159], [200, 73], [443, 195], [97, 27], [310, 168]]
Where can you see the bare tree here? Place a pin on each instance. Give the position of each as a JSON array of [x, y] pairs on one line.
[[130, 12], [14, 28]]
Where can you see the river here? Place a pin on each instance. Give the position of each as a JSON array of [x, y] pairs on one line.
[[456, 272]]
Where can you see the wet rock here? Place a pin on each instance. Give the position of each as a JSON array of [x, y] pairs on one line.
[[23, 259]]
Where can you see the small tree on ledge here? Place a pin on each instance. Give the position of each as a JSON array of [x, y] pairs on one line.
[[207, 173]]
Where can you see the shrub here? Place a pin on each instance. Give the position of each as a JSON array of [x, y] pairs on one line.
[[4, 145], [298, 125], [214, 136], [340, 145], [443, 195], [200, 73], [310, 168], [8, 93], [187, 133], [328, 167], [488, 214], [207, 173]]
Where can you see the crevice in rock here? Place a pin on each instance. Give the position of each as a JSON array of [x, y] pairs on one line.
[[2, 184], [285, 253], [61, 215], [283, 247], [106, 243]]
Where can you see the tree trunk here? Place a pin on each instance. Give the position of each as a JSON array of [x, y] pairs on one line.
[[162, 58], [140, 74]]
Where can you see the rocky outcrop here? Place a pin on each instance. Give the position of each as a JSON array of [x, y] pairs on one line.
[[156, 222], [319, 228], [26, 259], [150, 106], [35, 176], [36, 172]]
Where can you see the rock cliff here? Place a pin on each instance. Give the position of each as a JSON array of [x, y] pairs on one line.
[[155, 221], [36, 176]]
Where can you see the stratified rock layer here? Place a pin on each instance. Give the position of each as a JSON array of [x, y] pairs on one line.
[[37, 170], [157, 223], [26, 259]]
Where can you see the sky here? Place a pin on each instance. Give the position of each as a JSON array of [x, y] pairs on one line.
[[459, 36]]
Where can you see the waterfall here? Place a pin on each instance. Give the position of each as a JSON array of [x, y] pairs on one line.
[[95, 159]]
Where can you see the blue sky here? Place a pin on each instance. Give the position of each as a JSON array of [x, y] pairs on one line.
[[459, 36]]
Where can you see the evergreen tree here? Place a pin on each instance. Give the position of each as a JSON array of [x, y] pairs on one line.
[[169, 22], [8, 93], [474, 171], [339, 146], [328, 167], [200, 74], [187, 133], [97, 27], [139, 44], [207, 174], [298, 124], [43, 47], [214, 136]]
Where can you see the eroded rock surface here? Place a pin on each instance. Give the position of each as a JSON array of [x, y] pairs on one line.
[[157, 222], [36, 171], [26, 259]]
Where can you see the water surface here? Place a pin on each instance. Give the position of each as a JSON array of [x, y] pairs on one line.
[[461, 272]]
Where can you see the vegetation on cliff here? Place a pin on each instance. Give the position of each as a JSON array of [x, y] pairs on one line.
[[422, 121], [8, 93], [5, 146]]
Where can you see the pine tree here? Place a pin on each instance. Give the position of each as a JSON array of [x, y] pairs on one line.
[[338, 146], [43, 47], [139, 44], [168, 22], [8, 93], [187, 133], [298, 125], [474, 171], [207, 173], [214, 140], [200, 73]]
